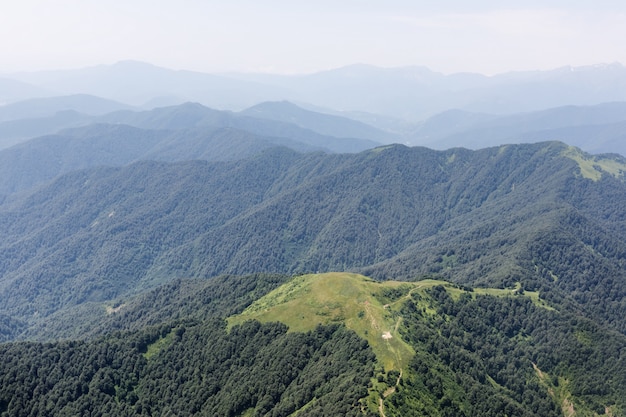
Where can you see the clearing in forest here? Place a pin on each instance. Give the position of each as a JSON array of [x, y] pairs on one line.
[[351, 299]]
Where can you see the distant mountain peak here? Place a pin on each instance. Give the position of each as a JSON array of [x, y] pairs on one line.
[[274, 108], [326, 124], [132, 63], [602, 66]]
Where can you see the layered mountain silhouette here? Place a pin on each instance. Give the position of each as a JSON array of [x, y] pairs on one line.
[[596, 129], [411, 93]]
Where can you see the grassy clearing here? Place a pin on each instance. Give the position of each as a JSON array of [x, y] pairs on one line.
[[381, 148], [113, 310], [497, 292], [594, 167], [352, 299], [368, 307], [156, 347]]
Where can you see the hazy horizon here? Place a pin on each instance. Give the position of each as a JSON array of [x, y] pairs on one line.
[[243, 72], [283, 37]]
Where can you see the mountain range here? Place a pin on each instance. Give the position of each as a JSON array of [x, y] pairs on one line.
[[482, 258], [597, 129], [290, 257], [412, 105], [410, 93], [393, 212]]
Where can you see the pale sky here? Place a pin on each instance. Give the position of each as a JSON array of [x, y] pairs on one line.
[[296, 36]]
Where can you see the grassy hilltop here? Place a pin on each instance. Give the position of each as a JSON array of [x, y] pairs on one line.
[[369, 308], [409, 326], [358, 302]]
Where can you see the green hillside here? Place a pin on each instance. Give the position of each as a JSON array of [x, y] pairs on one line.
[[455, 332], [353, 300], [189, 369], [369, 308]]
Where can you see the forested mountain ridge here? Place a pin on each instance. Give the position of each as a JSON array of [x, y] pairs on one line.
[[143, 265], [492, 217], [40, 160], [194, 115], [190, 368], [327, 124], [177, 133]]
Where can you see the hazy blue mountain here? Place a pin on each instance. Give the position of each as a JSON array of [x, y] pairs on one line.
[[37, 117], [597, 129], [49, 106], [444, 124], [388, 124], [13, 90], [596, 139], [162, 101], [409, 93], [40, 116], [324, 124], [405, 93], [41, 159], [183, 116], [538, 90], [602, 138], [188, 131], [194, 115], [15, 131], [414, 93], [137, 83]]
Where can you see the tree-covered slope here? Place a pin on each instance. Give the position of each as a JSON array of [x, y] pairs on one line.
[[39, 160], [444, 350], [544, 215], [180, 299], [178, 133], [486, 355], [354, 346], [92, 235], [190, 369]]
